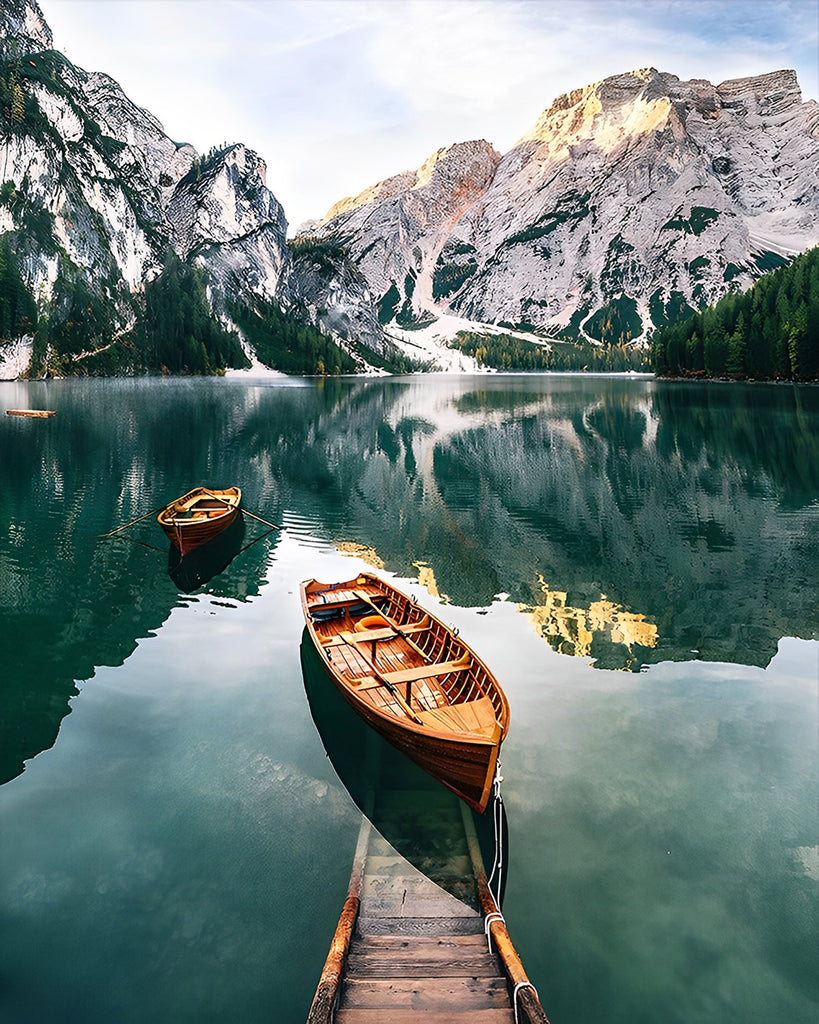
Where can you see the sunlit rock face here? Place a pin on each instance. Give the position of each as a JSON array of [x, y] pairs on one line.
[[642, 186], [626, 201]]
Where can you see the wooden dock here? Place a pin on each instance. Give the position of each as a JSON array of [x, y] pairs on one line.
[[414, 946]]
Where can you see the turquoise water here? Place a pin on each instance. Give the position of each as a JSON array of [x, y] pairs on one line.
[[635, 559]]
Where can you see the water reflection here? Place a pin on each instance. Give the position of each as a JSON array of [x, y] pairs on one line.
[[613, 637], [418, 817], [692, 508], [70, 602]]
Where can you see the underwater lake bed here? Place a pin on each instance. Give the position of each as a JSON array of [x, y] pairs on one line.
[[636, 561]]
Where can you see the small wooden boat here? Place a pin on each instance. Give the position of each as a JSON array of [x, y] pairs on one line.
[[412, 679], [38, 413], [199, 516]]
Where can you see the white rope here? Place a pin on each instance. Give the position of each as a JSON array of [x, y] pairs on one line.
[[497, 820], [494, 916], [518, 987]]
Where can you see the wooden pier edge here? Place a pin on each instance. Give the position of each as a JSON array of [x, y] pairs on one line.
[[525, 1000], [324, 1001], [528, 1007]]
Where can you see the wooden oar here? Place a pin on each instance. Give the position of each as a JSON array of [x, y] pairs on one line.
[[142, 544], [133, 522], [383, 679], [362, 596], [254, 541], [259, 519], [247, 512]]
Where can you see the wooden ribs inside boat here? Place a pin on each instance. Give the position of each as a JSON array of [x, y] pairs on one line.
[[412, 678]]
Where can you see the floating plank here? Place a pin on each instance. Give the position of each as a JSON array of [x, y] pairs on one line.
[[39, 413]]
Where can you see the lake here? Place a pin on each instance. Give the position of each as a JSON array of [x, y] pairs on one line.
[[637, 561]]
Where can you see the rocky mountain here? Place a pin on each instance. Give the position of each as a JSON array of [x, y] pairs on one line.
[[95, 195], [628, 201]]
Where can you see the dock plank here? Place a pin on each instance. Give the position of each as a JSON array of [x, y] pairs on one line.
[[400, 942], [429, 964], [427, 993], [415, 904], [420, 926], [405, 1016]]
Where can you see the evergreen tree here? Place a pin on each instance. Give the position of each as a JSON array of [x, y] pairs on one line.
[[178, 333], [772, 330]]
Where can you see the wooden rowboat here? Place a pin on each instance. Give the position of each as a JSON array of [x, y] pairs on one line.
[[412, 679], [199, 516]]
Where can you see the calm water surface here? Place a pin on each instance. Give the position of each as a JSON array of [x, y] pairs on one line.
[[637, 561]]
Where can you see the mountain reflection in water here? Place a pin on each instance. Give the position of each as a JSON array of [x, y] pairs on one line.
[[691, 507], [612, 636]]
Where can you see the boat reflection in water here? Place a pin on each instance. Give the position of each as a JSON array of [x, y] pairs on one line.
[[200, 565], [418, 816]]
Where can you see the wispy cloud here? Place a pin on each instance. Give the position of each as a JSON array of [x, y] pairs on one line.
[[336, 94]]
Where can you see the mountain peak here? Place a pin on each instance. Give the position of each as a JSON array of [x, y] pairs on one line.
[[451, 161], [461, 162], [631, 103], [770, 93]]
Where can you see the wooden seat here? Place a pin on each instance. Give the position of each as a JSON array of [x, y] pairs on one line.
[[475, 716], [347, 637], [440, 668], [366, 683]]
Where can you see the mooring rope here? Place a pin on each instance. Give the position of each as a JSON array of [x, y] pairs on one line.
[[494, 916], [518, 987], [497, 819]]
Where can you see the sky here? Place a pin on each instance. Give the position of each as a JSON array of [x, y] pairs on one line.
[[336, 95]]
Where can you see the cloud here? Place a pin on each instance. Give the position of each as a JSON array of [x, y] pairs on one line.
[[336, 94]]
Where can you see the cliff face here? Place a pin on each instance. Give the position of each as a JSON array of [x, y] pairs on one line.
[[641, 187], [95, 189], [226, 218], [627, 200], [23, 21], [395, 231]]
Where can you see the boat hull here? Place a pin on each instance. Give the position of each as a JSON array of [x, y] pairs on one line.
[[200, 515], [464, 760], [467, 767]]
